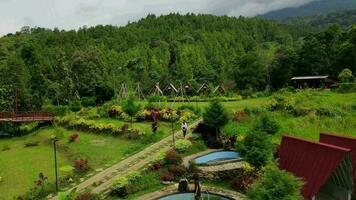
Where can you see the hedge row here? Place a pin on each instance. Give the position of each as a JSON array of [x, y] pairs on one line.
[[95, 127]]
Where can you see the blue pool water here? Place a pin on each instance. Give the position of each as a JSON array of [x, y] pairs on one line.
[[217, 156], [190, 196]]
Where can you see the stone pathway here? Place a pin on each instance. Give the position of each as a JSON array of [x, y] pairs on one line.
[[173, 189], [222, 167], [101, 182]]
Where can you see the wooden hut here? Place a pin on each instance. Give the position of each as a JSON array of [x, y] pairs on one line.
[[219, 90], [188, 90], [156, 90], [204, 89], [170, 90], [313, 81]]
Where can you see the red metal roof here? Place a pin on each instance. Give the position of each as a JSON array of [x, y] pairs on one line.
[[346, 142], [312, 162]]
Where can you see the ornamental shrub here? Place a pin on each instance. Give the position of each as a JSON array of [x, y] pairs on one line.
[[115, 111], [75, 106], [276, 184], [165, 175], [256, 148], [131, 108], [182, 145], [173, 158], [81, 165], [267, 124], [216, 116], [73, 137]]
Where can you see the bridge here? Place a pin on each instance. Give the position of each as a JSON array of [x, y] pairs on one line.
[[26, 117]]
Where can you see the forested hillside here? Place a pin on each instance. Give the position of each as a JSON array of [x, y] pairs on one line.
[[54, 66], [343, 18], [317, 7]]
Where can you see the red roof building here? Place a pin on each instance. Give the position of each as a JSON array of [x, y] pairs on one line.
[[321, 166], [346, 142]]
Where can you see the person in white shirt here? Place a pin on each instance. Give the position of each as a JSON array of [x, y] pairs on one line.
[[184, 128]]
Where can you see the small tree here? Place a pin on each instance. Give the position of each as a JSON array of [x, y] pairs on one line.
[[346, 76], [256, 148], [131, 108], [266, 124], [216, 116], [276, 184]]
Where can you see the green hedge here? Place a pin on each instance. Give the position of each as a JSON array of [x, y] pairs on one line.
[[95, 127]]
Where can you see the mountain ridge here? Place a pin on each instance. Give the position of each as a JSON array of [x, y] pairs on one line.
[[313, 8]]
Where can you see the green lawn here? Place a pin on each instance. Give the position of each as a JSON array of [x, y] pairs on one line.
[[20, 166]]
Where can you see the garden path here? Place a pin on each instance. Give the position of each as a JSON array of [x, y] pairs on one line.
[[101, 182]]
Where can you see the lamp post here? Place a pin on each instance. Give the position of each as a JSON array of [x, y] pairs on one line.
[[172, 129], [55, 140]]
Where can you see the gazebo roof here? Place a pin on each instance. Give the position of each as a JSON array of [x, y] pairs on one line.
[[309, 77], [157, 89], [342, 141], [170, 87], [219, 89], [204, 87], [313, 162]]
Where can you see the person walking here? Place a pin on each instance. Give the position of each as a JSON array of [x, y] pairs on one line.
[[184, 128]]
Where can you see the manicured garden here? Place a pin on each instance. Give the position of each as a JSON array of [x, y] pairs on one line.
[[91, 139]]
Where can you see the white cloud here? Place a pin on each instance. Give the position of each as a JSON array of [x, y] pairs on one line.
[[72, 14]]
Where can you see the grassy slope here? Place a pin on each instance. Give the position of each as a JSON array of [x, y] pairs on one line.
[[20, 166]]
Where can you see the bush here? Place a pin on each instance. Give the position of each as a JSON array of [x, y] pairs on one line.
[[5, 148], [267, 124], [182, 145], [166, 176], [32, 143], [173, 158], [246, 179], [81, 165], [119, 187], [56, 110], [178, 171], [276, 184], [256, 148], [114, 111], [87, 196], [88, 101], [75, 106], [95, 127], [73, 137]]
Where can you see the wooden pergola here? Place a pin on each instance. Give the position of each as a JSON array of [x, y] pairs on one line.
[[170, 90], [204, 89]]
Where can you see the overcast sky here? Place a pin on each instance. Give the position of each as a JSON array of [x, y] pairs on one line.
[[72, 14]]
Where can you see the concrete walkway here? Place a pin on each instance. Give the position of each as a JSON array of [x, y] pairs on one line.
[[173, 189], [101, 182]]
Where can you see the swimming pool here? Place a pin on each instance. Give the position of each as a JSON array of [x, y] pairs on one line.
[[190, 196], [217, 157]]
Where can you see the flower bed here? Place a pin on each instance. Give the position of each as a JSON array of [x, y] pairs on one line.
[[95, 127]]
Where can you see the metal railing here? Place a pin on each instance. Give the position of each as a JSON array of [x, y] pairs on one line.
[[26, 116]]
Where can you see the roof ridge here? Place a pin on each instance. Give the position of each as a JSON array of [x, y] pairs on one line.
[[320, 144]]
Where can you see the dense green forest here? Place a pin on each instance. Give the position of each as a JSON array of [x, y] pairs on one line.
[[55, 66], [342, 18], [314, 7]]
